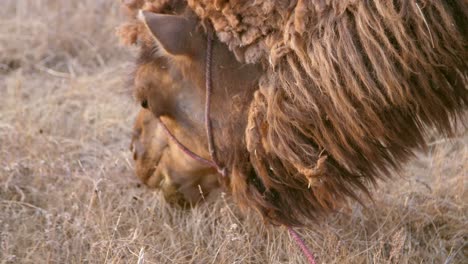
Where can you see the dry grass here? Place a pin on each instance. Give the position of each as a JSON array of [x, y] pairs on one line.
[[68, 195]]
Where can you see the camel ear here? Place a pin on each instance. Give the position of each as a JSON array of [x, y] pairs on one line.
[[176, 35]]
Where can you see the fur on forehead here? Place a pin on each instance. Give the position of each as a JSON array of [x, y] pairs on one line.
[[155, 70]]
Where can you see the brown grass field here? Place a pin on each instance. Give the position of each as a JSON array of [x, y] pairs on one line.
[[68, 193]]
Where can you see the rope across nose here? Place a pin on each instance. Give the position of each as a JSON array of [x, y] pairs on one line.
[[184, 149]]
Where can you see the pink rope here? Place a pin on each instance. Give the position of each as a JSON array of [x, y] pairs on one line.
[[185, 149], [302, 245]]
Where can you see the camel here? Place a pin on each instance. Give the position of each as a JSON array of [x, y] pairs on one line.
[[301, 105]]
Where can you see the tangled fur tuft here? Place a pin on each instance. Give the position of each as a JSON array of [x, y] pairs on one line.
[[349, 91]]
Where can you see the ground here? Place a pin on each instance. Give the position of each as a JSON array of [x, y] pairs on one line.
[[68, 193]]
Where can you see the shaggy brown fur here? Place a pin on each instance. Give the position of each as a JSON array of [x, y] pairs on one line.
[[348, 92], [160, 164]]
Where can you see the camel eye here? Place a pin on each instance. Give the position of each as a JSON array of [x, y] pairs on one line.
[[144, 104]]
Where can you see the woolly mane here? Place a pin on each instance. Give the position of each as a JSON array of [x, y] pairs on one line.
[[349, 92]]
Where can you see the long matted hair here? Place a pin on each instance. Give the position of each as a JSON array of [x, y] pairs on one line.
[[349, 91]]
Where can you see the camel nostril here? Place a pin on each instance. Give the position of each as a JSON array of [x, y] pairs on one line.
[[144, 104]]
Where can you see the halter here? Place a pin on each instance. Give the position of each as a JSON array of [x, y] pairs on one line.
[[214, 162]]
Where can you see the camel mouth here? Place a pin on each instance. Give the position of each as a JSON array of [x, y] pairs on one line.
[[147, 167]]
